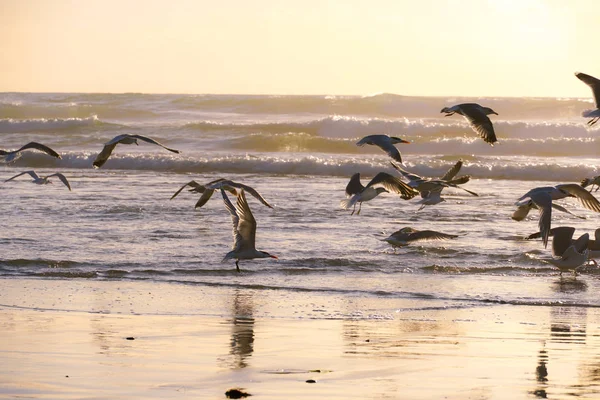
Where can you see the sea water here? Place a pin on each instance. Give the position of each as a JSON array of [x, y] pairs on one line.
[[119, 222]]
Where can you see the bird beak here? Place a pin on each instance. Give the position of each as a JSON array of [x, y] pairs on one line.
[[494, 112], [275, 257], [404, 141]]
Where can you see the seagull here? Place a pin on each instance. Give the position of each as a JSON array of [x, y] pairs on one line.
[[385, 143], [595, 180], [568, 254], [42, 180], [543, 197], [244, 231], [10, 156], [477, 117], [431, 189], [453, 171], [594, 84], [123, 139], [563, 238], [382, 182], [225, 184], [408, 235]]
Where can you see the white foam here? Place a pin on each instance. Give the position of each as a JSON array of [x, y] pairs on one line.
[[10, 125]]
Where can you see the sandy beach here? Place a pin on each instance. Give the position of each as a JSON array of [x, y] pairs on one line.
[[129, 340]]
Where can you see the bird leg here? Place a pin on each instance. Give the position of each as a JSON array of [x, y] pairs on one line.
[[237, 266], [592, 121], [354, 209], [359, 207]]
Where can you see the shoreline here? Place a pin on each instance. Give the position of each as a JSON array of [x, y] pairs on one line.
[[54, 348]]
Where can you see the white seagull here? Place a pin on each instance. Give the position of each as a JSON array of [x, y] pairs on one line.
[[124, 139], [385, 143], [42, 180], [208, 189], [408, 235], [594, 84], [244, 231], [382, 182], [477, 117], [7, 156], [542, 198]]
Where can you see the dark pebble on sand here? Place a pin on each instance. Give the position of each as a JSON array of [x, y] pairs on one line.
[[130, 338], [311, 381], [236, 394]]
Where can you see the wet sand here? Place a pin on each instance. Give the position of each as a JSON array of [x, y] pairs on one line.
[[72, 340]]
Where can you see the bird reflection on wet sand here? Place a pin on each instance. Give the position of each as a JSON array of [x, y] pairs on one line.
[[242, 330]]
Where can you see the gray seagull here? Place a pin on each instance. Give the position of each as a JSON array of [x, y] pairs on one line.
[[124, 139], [477, 117]]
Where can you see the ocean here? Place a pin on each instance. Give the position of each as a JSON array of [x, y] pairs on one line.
[[119, 223]]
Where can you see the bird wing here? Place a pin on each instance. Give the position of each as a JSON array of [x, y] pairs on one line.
[[354, 186], [365, 140], [104, 154], [195, 185], [538, 235], [560, 208], [408, 175], [581, 244], [62, 178], [543, 201], [248, 189], [461, 180], [40, 147], [451, 173], [149, 140], [32, 173], [593, 83], [448, 184], [206, 195], [562, 239], [247, 224], [482, 125], [235, 221], [426, 235], [586, 198], [478, 120], [393, 184]]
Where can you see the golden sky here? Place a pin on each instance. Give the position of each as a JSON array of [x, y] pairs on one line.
[[360, 47]]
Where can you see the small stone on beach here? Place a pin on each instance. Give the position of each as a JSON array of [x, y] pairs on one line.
[[236, 393]]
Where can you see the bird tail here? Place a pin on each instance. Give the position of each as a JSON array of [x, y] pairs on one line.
[[590, 113], [348, 203]]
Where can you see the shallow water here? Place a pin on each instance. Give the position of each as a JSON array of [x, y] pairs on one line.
[[298, 152]]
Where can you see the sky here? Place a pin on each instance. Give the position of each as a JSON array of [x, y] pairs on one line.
[[338, 47]]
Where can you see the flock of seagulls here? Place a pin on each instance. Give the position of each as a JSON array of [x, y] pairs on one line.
[[568, 254]]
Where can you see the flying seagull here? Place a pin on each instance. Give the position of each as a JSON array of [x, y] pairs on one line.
[[594, 84], [124, 139], [42, 180], [431, 189], [225, 184], [382, 182], [594, 181], [244, 231], [543, 198], [7, 156], [385, 143], [408, 235], [477, 117]]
